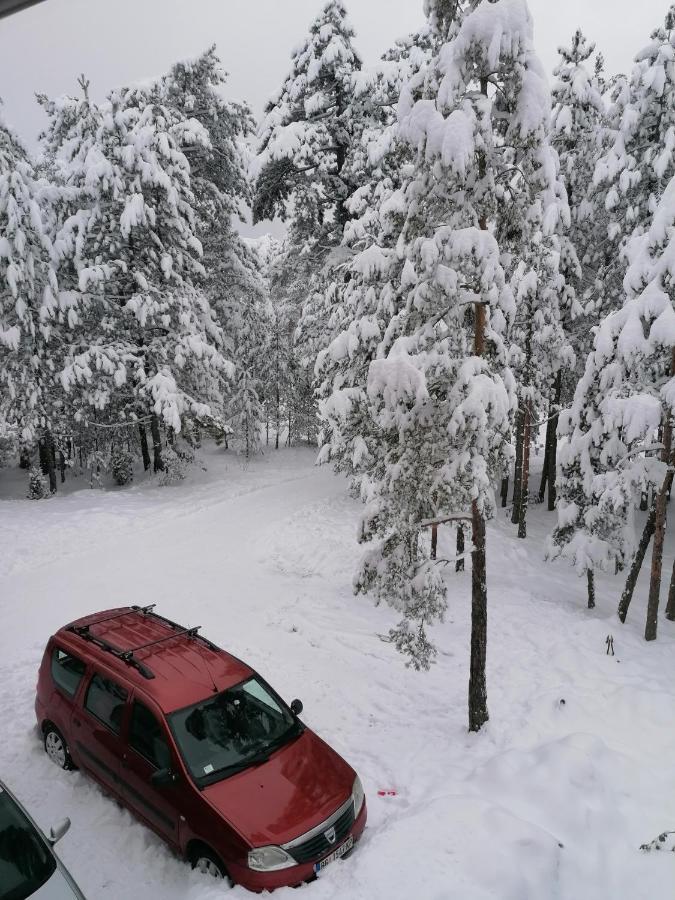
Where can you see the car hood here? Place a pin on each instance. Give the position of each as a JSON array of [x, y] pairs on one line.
[[300, 785]]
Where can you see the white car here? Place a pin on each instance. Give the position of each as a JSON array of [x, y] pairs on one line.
[[28, 865]]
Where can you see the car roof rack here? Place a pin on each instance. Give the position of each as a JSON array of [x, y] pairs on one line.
[[116, 615], [127, 655], [83, 632]]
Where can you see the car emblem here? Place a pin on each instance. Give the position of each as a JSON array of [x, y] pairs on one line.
[[330, 835]]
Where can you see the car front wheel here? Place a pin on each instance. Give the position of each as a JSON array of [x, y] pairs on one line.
[[204, 860], [56, 747]]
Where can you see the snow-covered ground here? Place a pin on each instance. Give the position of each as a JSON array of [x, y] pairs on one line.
[[574, 771]]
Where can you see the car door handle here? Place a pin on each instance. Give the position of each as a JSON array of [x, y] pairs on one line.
[[76, 723]]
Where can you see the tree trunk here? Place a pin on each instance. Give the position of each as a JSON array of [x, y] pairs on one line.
[[518, 471], [24, 458], [636, 564], [145, 452], [553, 449], [48, 459], [478, 711], [277, 394], [659, 533], [157, 461], [505, 490], [459, 564], [62, 466], [670, 607], [544, 470], [525, 477], [590, 580]]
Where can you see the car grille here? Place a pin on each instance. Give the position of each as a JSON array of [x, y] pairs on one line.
[[318, 846]]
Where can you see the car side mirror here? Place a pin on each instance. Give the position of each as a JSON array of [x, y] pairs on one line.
[[296, 707], [58, 831], [163, 777]]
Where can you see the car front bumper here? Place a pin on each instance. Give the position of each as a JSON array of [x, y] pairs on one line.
[[293, 876]]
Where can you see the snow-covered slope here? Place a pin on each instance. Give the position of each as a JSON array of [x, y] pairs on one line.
[[574, 771]]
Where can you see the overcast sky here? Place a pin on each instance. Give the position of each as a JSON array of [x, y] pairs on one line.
[[116, 42]]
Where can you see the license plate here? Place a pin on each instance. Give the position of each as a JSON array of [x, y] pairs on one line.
[[336, 854]]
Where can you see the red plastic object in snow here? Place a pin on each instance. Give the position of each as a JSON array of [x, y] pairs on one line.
[[387, 793]]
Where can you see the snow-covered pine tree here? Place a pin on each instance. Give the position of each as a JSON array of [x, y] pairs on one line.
[[304, 175], [270, 254], [140, 327], [640, 162], [530, 218], [28, 303], [219, 183], [371, 268], [441, 390], [218, 170], [626, 394], [306, 133], [248, 321], [579, 133]]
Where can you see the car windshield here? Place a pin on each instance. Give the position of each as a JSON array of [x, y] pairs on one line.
[[234, 730], [25, 861]]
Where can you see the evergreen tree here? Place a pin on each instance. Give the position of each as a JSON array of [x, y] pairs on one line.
[[626, 394], [248, 323], [367, 275], [640, 162], [231, 279], [28, 300], [306, 134], [139, 324], [579, 132], [305, 174]]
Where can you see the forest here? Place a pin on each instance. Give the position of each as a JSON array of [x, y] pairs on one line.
[[478, 263]]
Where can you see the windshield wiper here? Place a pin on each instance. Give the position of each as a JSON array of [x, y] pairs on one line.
[[233, 768], [295, 730]]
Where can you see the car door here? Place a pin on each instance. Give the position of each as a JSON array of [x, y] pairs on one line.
[[148, 750], [97, 728]]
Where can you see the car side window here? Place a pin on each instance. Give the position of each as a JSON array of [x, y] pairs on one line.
[[147, 737], [105, 699], [67, 671]]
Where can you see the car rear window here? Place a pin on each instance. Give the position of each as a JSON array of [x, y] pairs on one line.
[[105, 699], [67, 671]]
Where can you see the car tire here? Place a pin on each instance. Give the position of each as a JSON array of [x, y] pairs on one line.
[[56, 747], [206, 861]]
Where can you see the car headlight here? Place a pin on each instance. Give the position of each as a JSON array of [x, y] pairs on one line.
[[358, 795], [269, 859]]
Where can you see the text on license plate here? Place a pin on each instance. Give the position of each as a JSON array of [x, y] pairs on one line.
[[336, 854]]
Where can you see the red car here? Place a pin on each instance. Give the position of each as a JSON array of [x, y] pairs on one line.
[[198, 746]]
